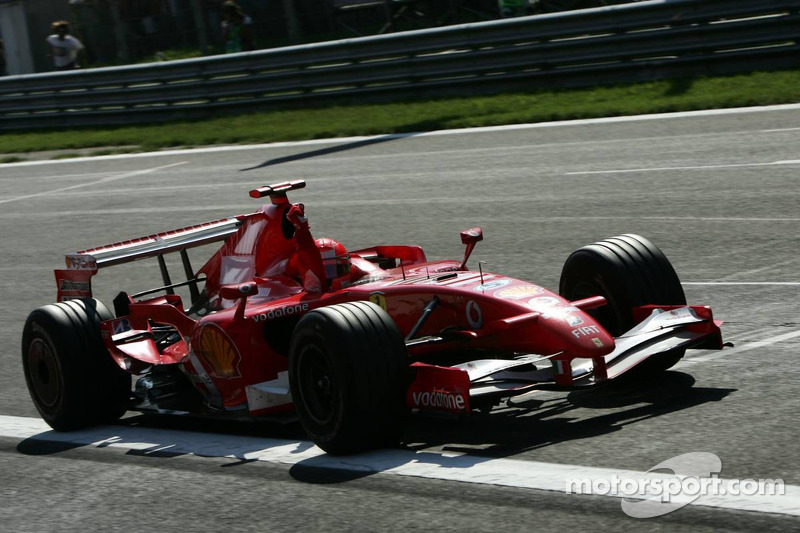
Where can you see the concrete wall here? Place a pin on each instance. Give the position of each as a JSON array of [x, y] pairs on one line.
[[16, 43]]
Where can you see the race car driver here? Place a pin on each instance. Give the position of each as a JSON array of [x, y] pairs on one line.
[[335, 258]]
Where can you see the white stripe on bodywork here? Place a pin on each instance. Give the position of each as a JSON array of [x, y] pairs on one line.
[[212, 394], [271, 393]]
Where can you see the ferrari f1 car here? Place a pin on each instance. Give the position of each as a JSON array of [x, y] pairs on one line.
[[282, 326]]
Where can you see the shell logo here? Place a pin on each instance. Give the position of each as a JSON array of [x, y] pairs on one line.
[[519, 292], [216, 349]]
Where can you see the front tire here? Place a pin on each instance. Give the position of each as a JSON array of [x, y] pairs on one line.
[[629, 271], [72, 379], [349, 373]]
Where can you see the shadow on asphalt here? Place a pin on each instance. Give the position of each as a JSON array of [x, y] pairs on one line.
[[329, 150], [522, 424], [530, 424], [527, 424]]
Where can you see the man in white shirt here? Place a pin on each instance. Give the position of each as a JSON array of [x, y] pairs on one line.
[[64, 48]]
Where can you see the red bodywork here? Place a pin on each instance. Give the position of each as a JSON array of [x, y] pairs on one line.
[[483, 337]]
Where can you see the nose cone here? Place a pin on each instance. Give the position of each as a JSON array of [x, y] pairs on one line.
[[588, 339], [579, 333]]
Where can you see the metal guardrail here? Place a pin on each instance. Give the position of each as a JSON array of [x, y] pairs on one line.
[[642, 41]]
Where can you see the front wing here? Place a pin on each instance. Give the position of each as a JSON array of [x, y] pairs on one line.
[[661, 329]]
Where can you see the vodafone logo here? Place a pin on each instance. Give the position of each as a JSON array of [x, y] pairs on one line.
[[474, 315], [439, 399], [286, 310]]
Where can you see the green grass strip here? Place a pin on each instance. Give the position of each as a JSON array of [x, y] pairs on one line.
[[758, 88]]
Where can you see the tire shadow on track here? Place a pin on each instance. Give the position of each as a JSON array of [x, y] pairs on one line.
[[51, 442], [523, 424]]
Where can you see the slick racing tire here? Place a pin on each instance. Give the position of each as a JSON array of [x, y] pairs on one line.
[[349, 373], [629, 271], [72, 379]]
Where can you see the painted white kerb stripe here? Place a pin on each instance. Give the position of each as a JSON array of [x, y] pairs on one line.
[[463, 468]]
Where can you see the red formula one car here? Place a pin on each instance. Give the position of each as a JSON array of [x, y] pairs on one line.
[[352, 343]]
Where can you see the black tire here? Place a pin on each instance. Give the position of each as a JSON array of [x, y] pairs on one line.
[[349, 373], [71, 377], [629, 271]]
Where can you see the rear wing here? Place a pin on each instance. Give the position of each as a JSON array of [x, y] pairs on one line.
[[75, 280]]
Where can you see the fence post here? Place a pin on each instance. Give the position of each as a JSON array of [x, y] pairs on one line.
[[200, 24], [119, 31], [292, 27]]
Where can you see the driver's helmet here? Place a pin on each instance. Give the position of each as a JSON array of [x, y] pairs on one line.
[[335, 257]]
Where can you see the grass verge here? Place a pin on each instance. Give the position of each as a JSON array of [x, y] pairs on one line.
[[758, 88]]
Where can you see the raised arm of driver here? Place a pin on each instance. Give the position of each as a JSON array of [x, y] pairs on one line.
[[309, 260]]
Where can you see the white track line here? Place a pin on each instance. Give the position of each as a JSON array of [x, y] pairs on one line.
[[59, 176], [739, 283], [742, 336], [248, 206], [668, 169], [488, 129], [727, 352], [108, 179], [463, 468]]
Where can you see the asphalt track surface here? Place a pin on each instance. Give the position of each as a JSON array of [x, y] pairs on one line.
[[718, 194]]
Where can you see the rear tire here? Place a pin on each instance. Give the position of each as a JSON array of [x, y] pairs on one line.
[[629, 271], [72, 379], [349, 373]]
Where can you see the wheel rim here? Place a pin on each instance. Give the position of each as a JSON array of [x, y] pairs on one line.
[[43, 370], [318, 386]]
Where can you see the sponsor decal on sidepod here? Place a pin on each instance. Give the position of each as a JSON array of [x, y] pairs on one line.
[[286, 310]]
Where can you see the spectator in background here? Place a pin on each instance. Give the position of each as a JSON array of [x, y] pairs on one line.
[[64, 47], [237, 33]]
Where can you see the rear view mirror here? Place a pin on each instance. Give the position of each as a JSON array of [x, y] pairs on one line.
[[470, 237], [239, 290]]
